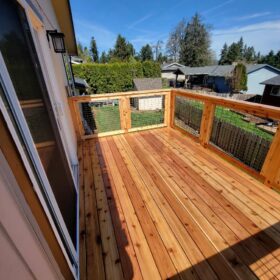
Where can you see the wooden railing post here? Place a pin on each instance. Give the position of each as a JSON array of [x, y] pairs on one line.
[[206, 123], [125, 113], [271, 165], [172, 108], [73, 106], [167, 109]]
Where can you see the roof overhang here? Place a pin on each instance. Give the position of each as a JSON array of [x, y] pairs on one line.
[[64, 17]]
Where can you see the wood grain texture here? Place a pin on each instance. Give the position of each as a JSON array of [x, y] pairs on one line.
[[179, 211]]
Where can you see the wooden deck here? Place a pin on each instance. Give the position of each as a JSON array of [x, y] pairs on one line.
[[157, 205]]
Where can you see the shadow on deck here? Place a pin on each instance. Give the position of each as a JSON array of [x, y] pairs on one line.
[[156, 205]]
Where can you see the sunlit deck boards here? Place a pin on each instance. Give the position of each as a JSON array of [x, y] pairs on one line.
[[156, 205]]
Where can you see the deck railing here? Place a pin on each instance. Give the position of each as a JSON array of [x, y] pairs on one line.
[[226, 126]]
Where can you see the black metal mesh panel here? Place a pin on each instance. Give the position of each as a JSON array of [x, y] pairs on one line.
[[147, 111], [188, 114], [243, 136], [100, 116]]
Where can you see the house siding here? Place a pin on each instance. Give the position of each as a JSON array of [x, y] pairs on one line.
[[258, 76]]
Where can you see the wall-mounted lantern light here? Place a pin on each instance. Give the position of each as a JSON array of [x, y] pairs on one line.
[[57, 40]]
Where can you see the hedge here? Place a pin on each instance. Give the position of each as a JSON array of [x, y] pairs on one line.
[[115, 77]]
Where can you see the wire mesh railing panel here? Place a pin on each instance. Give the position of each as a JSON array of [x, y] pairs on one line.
[[243, 136], [188, 114], [100, 116], [146, 111]]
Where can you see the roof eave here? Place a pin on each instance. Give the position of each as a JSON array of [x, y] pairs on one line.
[[63, 13]]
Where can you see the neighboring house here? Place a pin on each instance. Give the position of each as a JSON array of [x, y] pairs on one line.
[[167, 71], [271, 94], [217, 77], [76, 60], [147, 103], [258, 73], [38, 146]]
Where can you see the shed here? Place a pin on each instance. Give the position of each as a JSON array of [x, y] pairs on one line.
[[148, 103]]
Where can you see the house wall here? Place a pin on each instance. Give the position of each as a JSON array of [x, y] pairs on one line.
[[55, 76], [256, 77]]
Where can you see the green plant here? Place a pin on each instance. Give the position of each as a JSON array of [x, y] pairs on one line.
[[115, 77]]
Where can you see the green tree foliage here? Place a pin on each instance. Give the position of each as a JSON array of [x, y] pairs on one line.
[[94, 50], [103, 58], [174, 42], [115, 77], [271, 58], [122, 50], [83, 53], [195, 46], [238, 51], [239, 78], [146, 53]]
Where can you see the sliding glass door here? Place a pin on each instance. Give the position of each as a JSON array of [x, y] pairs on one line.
[[27, 99]]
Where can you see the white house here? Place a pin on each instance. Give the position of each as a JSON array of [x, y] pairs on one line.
[[39, 197], [258, 73]]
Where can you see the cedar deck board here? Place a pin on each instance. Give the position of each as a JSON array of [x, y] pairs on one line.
[[160, 184]]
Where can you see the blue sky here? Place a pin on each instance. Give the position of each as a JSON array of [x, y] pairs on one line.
[[147, 21]]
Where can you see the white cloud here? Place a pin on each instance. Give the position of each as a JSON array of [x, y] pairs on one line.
[[263, 36], [217, 7], [142, 19], [104, 37], [252, 16]]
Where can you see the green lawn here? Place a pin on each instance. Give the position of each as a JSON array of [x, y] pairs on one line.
[[108, 119], [235, 119]]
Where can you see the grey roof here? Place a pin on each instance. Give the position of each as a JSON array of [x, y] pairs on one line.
[[221, 70], [147, 83], [171, 66], [273, 81]]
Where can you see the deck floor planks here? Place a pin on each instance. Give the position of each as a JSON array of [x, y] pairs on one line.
[[202, 217], [172, 245], [145, 258], [214, 229], [82, 229], [227, 167], [164, 264], [225, 222], [127, 254], [110, 252], [95, 265]]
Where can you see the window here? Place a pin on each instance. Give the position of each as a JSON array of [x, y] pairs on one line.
[[275, 91]]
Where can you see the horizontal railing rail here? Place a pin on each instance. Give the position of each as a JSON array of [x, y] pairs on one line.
[[215, 122]]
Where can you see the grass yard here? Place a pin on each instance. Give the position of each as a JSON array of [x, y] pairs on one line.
[[235, 119], [107, 118]]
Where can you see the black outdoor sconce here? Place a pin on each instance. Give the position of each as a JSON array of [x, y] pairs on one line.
[[57, 40]]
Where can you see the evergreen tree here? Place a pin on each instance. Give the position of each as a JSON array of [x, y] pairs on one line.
[[131, 50], [83, 53], [195, 46], [122, 50], [239, 78], [103, 58], [94, 50], [146, 53], [224, 54]]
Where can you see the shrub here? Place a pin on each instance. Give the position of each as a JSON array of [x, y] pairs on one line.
[[115, 77]]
